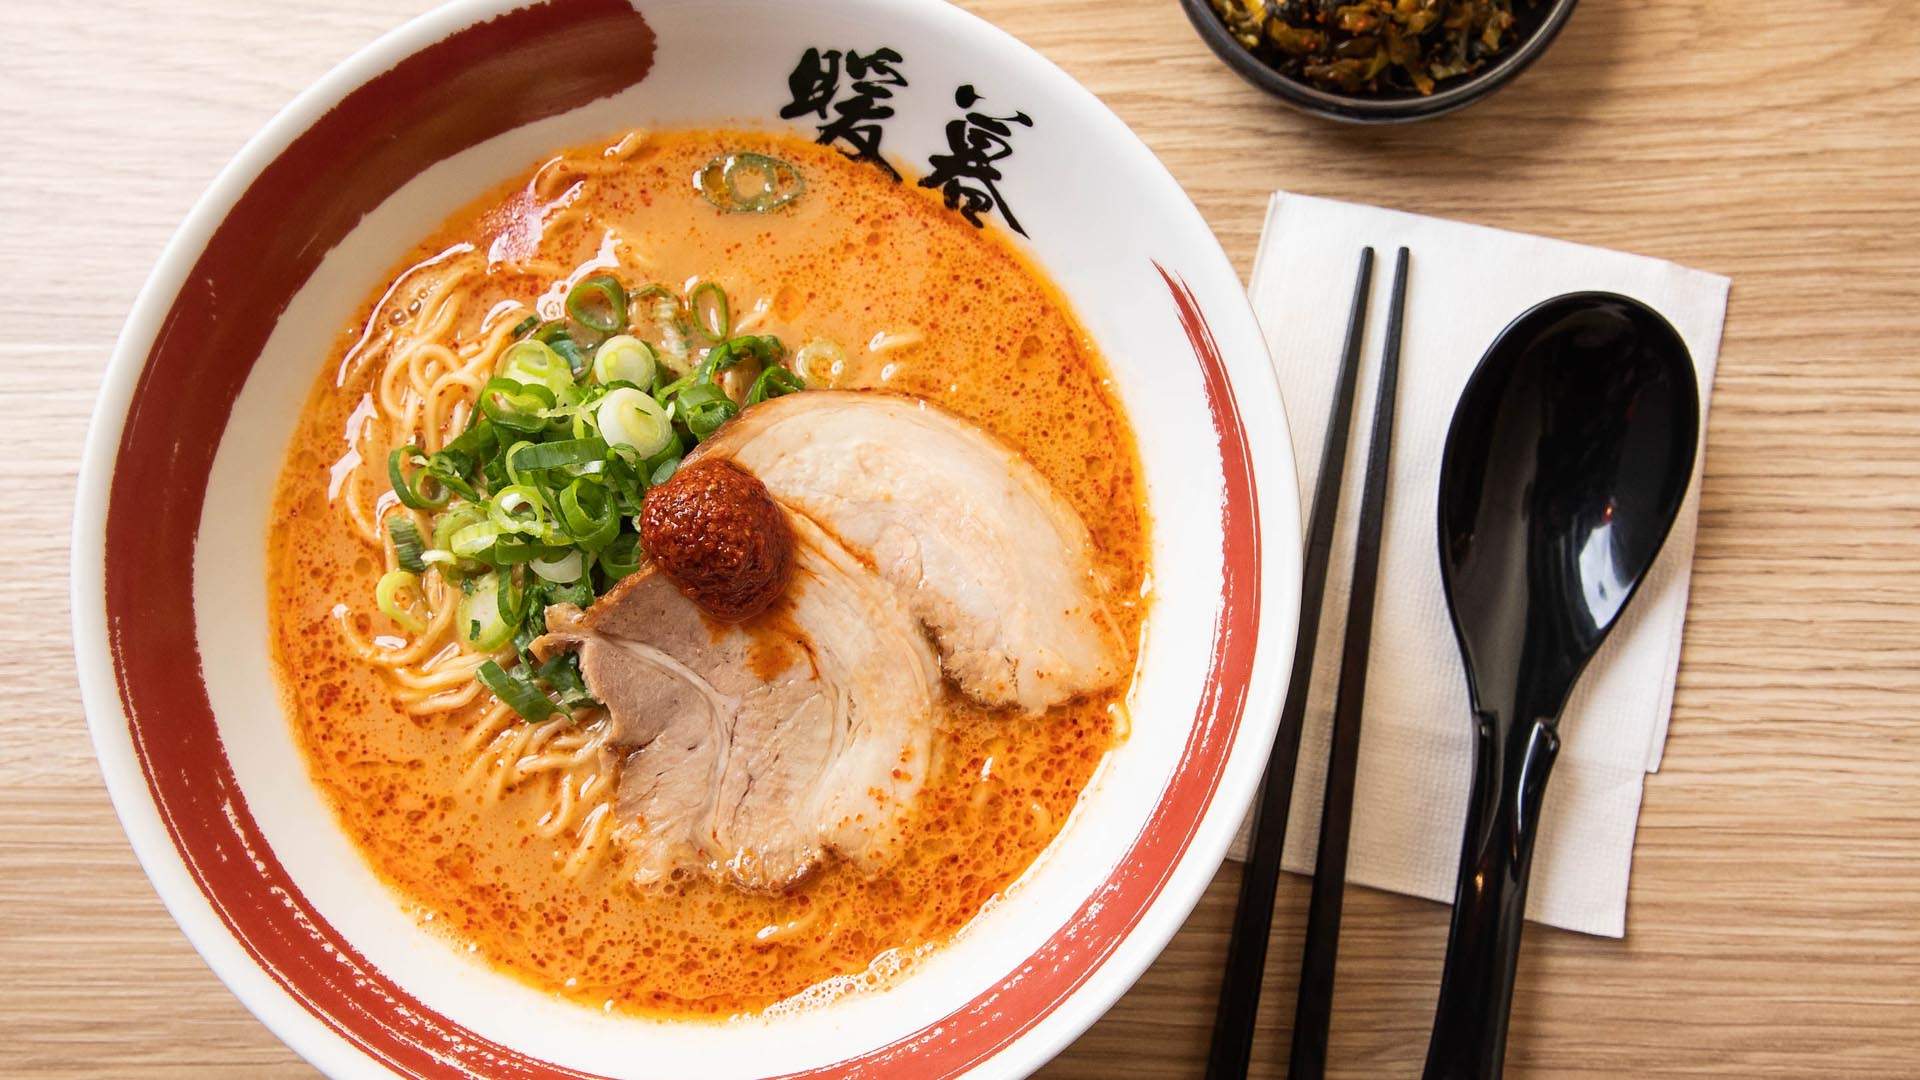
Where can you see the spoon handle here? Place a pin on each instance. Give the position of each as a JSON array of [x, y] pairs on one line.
[[1511, 765]]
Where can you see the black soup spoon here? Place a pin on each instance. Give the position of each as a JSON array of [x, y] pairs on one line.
[[1570, 451]]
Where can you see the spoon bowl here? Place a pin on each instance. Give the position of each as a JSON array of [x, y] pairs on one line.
[[1566, 463]]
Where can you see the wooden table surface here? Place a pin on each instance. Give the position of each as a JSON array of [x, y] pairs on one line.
[[1774, 926]]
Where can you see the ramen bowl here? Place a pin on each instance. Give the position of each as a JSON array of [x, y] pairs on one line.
[[170, 561], [1534, 30]]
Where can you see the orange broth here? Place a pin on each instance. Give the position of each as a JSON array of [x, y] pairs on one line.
[[856, 256]]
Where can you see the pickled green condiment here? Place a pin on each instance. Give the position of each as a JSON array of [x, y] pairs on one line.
[[1372, 46]]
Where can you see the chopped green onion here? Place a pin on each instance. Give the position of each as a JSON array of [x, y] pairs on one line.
[[705, 407], [624, 358], [665, 326], [652, 293], [516, 406], [577, 593], [774, 382], [674, 449], [626, 486], [746, 182], [698, 396], [561, 671], [819, 361], [518, 508], [589, 513], [387, 594], [454, 519], [552, 455], [672, 348], [474, 541], [513, 468], [665, 394], [519, 694], [423, 491], [580, 422], [457, 517], [480, 618], [599, 303], [629, 417], [622, 556], [475, 442], [762, 347], [664, 471], [536, 362], [515, 601], [558, 335], [406, 544], [576, 357], [451, 468], [511, 549], [662, 322], [707, 303], [562, 568], [525, 326]]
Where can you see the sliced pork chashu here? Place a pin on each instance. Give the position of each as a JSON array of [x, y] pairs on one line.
[[987, 556], [758, 748]]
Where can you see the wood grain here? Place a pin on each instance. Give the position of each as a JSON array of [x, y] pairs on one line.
[[1774, 927]]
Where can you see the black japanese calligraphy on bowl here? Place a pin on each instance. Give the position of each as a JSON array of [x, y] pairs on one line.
[[845, 95], [1535, 28]]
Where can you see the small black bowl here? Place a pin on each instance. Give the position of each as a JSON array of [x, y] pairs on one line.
[[1535, 27]]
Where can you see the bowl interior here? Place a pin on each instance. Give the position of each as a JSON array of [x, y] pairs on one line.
[[1149, 284]]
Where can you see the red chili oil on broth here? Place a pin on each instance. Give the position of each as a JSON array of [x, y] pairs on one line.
[[959, 319]]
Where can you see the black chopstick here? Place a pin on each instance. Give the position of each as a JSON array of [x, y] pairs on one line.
[[1253, 918], [1313, 1008]]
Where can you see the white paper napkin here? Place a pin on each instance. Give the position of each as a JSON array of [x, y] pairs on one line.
[[1466, 283]]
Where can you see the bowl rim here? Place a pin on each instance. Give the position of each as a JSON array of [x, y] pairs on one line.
[[103, 683], [1364, 110]]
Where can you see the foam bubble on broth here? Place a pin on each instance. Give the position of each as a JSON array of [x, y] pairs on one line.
[[973, 328]]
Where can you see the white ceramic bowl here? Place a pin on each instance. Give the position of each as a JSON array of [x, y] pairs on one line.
[[203, 390]]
